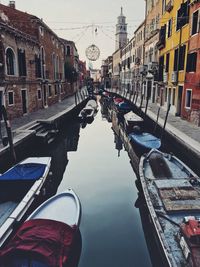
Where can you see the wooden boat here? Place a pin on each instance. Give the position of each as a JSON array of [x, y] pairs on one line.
[[130, 120], [18, 188], [88, 112], [124, 107], [145, 141], [172, 195], [118, 100], [46, 237]]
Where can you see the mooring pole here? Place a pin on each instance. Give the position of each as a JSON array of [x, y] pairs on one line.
[[166, 117], [9, 133], [147, 103], [156, 124]]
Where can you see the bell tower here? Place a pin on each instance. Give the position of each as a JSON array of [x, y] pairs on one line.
[[121, 31]]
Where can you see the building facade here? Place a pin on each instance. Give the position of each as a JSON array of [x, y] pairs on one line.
[[32, 67], [173, 46], [191, 95]]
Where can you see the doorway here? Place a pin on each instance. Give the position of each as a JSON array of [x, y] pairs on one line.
[[179, 100]]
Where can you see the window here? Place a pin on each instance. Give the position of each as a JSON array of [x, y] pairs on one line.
[[191, 62], [167, 63], [41, 30], [188, 98], [169, 30], [182, 15], [181, 62], [38, 70], [39, 94], [50, 92], [195, 22], [176, 59], [10, 62], [10, 98], [161, 68], [21, 62]]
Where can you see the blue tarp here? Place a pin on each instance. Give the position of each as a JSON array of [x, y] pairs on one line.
[[146, 140], [124, 106], [28, 171]]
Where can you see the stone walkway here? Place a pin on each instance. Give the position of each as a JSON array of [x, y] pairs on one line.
[[19, 125], [182, 129]]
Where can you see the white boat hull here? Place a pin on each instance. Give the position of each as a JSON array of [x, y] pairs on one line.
[[63, 207]]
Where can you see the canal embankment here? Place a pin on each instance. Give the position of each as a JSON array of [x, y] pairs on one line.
[[41, 126], [182, 138]]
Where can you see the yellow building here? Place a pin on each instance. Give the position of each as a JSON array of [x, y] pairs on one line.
[[173, 46]]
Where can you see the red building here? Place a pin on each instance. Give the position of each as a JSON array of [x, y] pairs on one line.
[[191, 97], [32, 67]]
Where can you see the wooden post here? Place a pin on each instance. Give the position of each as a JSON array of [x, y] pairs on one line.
[[75, 98], [166, 117], [147, 103], [156, 124], [141, 102]]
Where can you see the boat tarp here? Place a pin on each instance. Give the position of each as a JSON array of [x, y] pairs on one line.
[[27, 171], [46, 240], [146, 139]]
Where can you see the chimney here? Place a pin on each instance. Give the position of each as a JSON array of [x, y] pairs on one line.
[[12, 4]]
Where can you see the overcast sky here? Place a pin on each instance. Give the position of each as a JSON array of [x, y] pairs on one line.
[[73, 20]]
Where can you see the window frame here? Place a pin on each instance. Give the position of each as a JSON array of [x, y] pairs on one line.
[[11, 92], [188, 107]]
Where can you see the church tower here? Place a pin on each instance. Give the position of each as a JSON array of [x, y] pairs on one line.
[[121, 31]]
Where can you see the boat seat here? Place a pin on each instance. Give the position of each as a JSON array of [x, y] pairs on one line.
[[159, 166]]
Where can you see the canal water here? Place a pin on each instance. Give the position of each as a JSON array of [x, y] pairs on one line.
[[114, 228], [93, 162]]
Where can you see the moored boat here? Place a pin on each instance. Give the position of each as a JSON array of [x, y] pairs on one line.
[[145, 141], [88, 112], [172, 194], [131, 119], [46, 237], [19, 186]]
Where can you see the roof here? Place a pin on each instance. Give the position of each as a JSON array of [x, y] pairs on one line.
[[24, 21]]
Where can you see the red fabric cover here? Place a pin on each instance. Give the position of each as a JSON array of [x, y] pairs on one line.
[[48, 240]]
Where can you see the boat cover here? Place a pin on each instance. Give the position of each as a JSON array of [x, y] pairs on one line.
[[27, 171], [124, 106], [46, 240], [146, 140]]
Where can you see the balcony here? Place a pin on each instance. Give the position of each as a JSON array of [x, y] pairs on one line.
[[174, 77], [165, 77]]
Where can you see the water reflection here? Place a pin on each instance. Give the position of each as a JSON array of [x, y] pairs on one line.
[[149, 232], [118, 143]]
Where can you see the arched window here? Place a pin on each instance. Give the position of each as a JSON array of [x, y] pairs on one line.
[[10, 62]]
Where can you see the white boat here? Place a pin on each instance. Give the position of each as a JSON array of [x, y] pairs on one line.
[[47, 237], [19, 186], [92, 103], [88, 112], [66, 201]]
